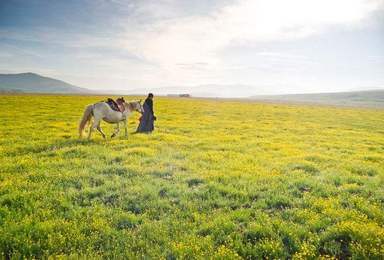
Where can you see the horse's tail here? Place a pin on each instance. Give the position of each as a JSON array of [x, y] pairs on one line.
[[88, 112]]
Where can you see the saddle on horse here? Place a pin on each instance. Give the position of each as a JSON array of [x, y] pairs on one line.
[[117, 105]]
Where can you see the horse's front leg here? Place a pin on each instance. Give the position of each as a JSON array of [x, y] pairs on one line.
[[126, 127], [117, 130]]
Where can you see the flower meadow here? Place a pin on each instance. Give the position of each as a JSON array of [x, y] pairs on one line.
[[218, 179]]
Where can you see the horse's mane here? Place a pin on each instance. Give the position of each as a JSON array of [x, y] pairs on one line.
[[131, 105]]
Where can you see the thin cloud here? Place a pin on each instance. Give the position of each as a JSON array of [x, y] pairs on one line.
[[198, 38]]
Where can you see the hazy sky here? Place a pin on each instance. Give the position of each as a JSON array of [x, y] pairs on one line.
[[264, 46]]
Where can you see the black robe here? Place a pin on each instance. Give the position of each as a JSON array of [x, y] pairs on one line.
[[147, 118]]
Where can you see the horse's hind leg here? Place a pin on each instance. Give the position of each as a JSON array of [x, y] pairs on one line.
[[94, 125], [100, 130], [117, 130]]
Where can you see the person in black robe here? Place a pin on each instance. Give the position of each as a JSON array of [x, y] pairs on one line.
[[147, 119]]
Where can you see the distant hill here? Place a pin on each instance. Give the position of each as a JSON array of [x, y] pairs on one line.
[[369, 98], [34, 83]]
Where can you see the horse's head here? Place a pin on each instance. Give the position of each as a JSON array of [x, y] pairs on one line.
[[136, 106]]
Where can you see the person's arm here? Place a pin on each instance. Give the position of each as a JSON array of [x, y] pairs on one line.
[[150, 104]]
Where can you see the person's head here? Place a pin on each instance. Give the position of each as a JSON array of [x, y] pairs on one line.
[[150, 95]]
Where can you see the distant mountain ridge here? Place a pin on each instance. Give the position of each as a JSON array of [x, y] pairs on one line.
[[35, 83], [366, 98]]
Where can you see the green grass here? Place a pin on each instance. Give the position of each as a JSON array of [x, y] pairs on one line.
[[217, 179]]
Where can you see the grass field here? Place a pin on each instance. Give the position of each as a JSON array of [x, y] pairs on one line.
[[217, 179]]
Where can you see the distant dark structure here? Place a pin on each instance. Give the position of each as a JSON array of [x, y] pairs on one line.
[[179, 95]]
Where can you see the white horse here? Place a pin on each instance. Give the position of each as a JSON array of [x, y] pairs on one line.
[[102, 111]]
